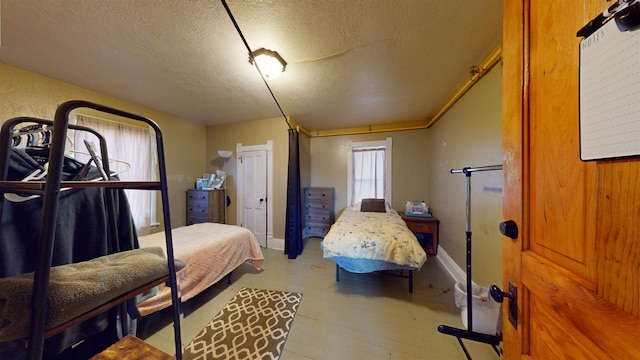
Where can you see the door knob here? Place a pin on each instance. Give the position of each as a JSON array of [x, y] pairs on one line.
[[498, 295], [509, 229]]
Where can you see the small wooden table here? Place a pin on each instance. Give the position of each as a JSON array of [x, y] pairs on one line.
[[426, 230], [130, 347]]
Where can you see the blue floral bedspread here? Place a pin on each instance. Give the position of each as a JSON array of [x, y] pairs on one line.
[[370, 241]]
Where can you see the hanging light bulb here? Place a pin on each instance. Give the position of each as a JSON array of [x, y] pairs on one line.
[[270, 63]]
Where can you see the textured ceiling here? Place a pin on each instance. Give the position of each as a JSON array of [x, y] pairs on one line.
[[350, 62]]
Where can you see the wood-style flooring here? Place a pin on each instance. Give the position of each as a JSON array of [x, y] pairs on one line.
[[363, 316]]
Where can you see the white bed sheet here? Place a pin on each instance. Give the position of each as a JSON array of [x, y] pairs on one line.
[[210, 252]]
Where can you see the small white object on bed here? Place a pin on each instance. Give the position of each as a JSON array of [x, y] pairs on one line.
[[210, 251]]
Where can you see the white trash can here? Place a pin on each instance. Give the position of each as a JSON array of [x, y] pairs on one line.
[[486, 312]]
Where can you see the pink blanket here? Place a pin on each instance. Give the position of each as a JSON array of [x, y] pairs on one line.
[[210, 252]]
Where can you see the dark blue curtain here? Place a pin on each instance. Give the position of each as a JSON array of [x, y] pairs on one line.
[[293, 227]]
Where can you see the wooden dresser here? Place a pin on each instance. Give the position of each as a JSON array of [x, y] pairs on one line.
[[205, 206], [426, 230], [318, 211]]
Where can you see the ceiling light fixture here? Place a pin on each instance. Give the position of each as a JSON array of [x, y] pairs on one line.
[[269, 63]]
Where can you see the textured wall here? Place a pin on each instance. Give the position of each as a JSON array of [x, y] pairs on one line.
[[410, 168], [470, 135], [225, 137], [23, 93]]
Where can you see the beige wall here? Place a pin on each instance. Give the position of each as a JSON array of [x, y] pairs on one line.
[[470, 135], [225, 137], [29, 94], [410, 167]]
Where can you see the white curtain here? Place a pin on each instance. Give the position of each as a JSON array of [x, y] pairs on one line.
[[129, 152], [368, 174]]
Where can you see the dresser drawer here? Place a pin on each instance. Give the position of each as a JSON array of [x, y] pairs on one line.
[[198, 211], [422, 227], [318, 210], [318, 204], [316, 229], [425, 230], [318, 193], [192, 219], [320, 219], [198, 203], [193, 195]]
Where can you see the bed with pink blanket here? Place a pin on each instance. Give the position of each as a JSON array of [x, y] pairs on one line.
[[210, 252]]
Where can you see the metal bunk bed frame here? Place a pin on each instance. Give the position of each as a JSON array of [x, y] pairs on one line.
[[50, 190]]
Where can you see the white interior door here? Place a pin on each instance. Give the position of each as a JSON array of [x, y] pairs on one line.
[[254, 199]]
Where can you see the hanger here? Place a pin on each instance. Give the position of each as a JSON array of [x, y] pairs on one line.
[[38, 137], [91, 148], [127, 166]]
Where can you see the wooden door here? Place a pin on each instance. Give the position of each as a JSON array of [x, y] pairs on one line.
[[576, 261]]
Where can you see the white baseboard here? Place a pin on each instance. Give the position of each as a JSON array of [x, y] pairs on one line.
[[456, 272], [277, 244]]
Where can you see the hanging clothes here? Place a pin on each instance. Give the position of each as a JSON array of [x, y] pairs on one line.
[[82, 232]]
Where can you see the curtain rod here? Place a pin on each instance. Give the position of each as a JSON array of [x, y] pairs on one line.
[[469, 170], [105, 119]]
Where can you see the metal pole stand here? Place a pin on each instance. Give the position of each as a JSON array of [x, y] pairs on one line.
[[493, 340]]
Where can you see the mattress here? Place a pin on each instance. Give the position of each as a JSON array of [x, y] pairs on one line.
[[210, 251], [370, 241]]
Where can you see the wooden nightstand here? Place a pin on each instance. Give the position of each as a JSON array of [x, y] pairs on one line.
[[425, 229]]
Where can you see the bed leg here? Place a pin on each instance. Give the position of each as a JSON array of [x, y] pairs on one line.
[[410, 281], [337, 272]]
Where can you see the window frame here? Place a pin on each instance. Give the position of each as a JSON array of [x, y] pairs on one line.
[[387, 144]]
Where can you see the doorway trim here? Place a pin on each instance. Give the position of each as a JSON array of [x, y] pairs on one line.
[[268, 147]]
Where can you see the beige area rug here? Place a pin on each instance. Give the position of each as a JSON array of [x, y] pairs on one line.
[[253, 325]]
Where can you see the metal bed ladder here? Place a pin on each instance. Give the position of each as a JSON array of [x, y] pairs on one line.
[[50, 190]]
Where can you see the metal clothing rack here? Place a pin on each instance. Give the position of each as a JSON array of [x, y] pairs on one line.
[[493, 340], [50, 191]]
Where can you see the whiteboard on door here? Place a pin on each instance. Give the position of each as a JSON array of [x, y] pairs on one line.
[[609, 93]]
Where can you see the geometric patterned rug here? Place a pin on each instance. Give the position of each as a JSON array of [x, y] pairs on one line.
[[253, 325]]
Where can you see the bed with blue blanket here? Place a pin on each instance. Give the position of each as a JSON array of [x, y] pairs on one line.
[[371, 237]]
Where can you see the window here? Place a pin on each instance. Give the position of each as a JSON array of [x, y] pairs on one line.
[[369, 173], [130, 158]]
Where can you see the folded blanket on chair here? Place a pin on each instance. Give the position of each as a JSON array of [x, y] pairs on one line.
[[77, 288]]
